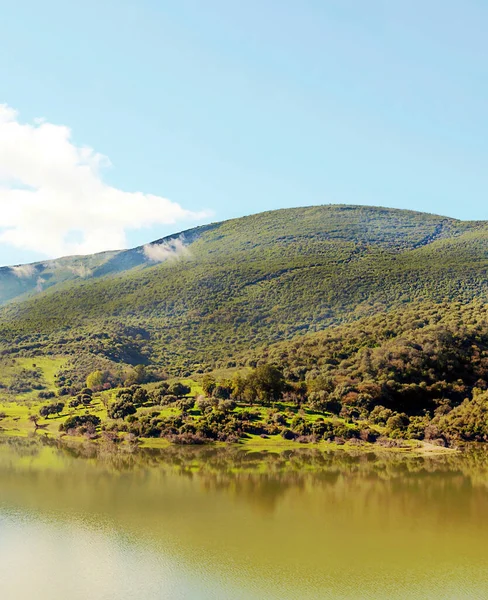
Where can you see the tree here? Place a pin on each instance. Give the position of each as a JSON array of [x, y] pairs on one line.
[[79, 421], [121, 409], [51, 409], [138, 375], [186, 404], [266, 382], [163, 387], [86, 399], [95, 380], [140, 396], [223, 391], [179, 389], [238, 386], [204, 404], [34, 419], [208, 384]]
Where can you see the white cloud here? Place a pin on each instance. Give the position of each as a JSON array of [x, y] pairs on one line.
[[172, 249], [24, 271], [50, 188]]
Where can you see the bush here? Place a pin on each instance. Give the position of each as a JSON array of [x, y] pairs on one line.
[[185, 404], [227, 405], [466, 422], [76, 421], [121, 409], [187, 438], [204, 404], [179, 389], [287, 434], [168, 399], [300, 426], [368, 435], [277, 418]]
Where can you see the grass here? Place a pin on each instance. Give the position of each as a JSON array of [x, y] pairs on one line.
[[48, 365], [10, 369]]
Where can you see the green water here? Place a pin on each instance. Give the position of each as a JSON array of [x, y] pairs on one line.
[[221, 524]]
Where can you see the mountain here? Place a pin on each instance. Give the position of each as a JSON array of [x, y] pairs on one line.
[[197, 299], [22, 281]]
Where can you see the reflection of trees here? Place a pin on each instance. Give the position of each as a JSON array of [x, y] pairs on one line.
[[260, 479]]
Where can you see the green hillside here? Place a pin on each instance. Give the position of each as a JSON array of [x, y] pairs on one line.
[[331, 324], [247, 282]]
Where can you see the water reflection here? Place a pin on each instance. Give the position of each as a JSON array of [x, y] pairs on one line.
[[301, 524]]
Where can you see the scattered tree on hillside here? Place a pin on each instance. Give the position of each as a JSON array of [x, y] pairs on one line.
[[51, 409], [120, 409], [179, 389], [95, 380]]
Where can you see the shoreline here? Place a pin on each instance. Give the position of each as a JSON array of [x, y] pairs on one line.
[[254, 444]]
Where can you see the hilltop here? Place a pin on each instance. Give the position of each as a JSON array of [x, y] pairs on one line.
[[340, 233]]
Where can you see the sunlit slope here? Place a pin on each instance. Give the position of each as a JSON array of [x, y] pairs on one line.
[[256, 280]]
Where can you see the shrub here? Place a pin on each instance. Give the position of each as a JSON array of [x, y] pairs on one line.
[[121, 409], [287, 434], [204, 404], [226, 405], [76, 421], [185, 404], [179, 389], [368, 435]]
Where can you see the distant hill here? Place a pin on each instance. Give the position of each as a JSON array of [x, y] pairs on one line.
[[24, 281], [196, 299]]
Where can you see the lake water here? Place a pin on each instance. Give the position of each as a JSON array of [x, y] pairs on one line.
[[188, 523]]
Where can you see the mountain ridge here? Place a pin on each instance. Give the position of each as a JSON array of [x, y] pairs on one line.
[[217, 223]]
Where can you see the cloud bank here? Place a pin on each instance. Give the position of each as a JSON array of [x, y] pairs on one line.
[[172, 249], [54, 201]]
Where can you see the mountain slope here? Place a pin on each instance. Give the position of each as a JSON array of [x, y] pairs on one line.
[[247, 282], [20, 282]]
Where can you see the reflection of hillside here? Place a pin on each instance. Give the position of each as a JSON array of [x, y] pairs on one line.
[[258, 478], [270, 514]]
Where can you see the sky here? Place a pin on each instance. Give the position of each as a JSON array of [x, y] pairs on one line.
[[125, 121]]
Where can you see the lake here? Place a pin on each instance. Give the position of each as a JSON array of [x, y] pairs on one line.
[[208, 523]]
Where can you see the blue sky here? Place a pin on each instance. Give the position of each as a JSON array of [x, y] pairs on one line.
[[229, 108]]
